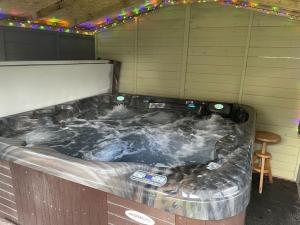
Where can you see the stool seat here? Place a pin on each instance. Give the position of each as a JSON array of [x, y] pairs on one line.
[[261, 154], [268, 137]]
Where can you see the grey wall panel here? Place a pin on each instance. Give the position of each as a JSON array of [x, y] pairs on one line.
[[25, 44], [2, 49], [30, 45], [76, 47]]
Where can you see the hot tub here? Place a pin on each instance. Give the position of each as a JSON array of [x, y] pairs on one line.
[[189, 161]]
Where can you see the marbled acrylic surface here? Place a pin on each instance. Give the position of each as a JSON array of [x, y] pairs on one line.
[[100, 143]]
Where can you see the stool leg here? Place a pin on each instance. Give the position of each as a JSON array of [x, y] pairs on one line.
[[261, 181], [270, 171], [264, 147], [254, 160]]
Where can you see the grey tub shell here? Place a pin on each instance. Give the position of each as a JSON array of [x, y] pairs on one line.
[[201, 193]]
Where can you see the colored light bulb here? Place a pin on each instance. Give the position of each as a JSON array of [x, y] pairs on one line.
[[34, 26], [107, 20], [253, 4], [123, 13], [2, 14], [136, 11]]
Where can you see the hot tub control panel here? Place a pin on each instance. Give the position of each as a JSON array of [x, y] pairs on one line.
[[199, 108], [219, 108], [148, 178]]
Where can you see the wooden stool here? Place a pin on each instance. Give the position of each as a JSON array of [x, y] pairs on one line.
[[264, 166]]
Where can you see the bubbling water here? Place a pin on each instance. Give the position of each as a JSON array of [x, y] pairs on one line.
[[122, 134]]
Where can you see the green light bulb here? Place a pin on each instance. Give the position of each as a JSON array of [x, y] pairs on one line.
[[136, 10]]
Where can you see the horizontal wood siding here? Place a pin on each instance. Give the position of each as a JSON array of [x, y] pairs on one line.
[[119, 44], [272, 86], [160, 52], [224, 62], [216, 53]]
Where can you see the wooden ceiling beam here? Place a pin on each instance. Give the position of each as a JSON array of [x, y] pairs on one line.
[[85, 10], [109, 9], [53, 7], [81, 12], [78, 11]]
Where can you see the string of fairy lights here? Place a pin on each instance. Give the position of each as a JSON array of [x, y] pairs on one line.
[[58, 26], [130, 14]]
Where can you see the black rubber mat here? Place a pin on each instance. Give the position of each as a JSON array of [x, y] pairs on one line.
[[279, 204]]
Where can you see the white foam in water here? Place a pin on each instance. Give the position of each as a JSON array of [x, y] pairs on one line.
[[166, 140], [37, 136], [160, 117], [118, 110], [159, 137]]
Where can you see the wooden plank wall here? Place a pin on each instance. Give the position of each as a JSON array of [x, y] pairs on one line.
[[119, 44], [213, 52], [272, 86], [218, 36]]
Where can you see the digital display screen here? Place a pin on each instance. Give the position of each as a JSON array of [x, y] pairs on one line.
[[147, 178]]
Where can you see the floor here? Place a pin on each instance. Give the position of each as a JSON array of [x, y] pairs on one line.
[[278, 205]]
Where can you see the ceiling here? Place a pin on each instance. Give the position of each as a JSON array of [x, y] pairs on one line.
[[69, 13], [73, 11]]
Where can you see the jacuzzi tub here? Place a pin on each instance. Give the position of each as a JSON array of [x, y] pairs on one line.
[[189, 159]]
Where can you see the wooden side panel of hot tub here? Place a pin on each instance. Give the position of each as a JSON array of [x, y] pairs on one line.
[[47, 200], [236, 220], [8, 207], [30, 197], [117, 207]]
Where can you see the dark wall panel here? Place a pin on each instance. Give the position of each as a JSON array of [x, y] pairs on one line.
[[25, 44], [30, 45], [80, 47], [2, 53]]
